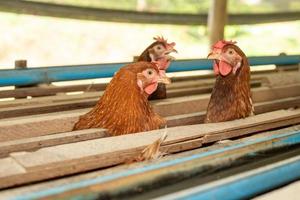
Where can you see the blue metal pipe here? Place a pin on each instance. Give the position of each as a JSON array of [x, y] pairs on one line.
[[78, 72], [245, 187]]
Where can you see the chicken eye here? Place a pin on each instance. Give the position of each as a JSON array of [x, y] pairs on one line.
[[159, 48], [150, 72], [230, 52]]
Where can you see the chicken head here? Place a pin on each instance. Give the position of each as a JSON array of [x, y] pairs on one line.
[[226, 58], [149, 78], [160, 52]]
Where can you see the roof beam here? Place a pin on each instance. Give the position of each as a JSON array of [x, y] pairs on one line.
[[110, 15]]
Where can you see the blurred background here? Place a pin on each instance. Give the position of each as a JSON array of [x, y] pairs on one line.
[[49, 41]]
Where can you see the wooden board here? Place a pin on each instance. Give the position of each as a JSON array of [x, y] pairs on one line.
[[182, 90], [40, 140], [33, 143], [192, 108], [34, 189], [176, 89], [82, 156], [164, 107]]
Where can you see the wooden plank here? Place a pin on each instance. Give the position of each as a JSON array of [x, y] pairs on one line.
[[34, 126], [50, 90], [9, 166], [160, 174], [192, 109], [193, 87], [179, 88], [111, 15], [81, 156], [163, 107], [30, 144], [119, 172], [37, 141], [51, 99]]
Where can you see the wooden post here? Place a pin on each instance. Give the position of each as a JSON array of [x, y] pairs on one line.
[[217, 18], [20, 64]]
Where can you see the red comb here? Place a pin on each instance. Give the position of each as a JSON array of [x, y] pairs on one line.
[[220, 44], [163, 40]]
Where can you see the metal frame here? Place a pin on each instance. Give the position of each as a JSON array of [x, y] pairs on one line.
[[245, 185]]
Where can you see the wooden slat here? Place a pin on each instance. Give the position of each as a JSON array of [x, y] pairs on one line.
[[165, 108], [181, 111], [99, 14], [37, 126], [180, 89], [77, 157], [38, 141], [176, 89], [9, 166], [30, 144], [69, 182]]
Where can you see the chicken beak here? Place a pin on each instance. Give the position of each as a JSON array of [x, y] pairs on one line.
[[213, 55], [163, 77], [166, 80], [171, 51]]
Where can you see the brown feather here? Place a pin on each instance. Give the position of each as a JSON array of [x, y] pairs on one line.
[[231, 95], [152, 151], [123, 109]]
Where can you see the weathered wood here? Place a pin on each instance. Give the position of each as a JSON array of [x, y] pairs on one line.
[[30, 144], [69, 181], [217, 20], [20, 64], [187, 91], [178, 88], [185, 111], [9, 166], [174, 90], [82, 156], [98, 14], [50, 90], [181, 169], [37, 126], [163, 107], [63, 138]]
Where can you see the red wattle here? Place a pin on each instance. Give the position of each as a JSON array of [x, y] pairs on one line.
[[151, 88], [216, 68], [224, 68]]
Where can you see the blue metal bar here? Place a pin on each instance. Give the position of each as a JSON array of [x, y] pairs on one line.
[[78, 72], [279, 140], [244, 186]]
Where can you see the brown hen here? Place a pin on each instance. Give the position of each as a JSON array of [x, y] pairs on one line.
[[159, 51], [124, 106], [231, 95]]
